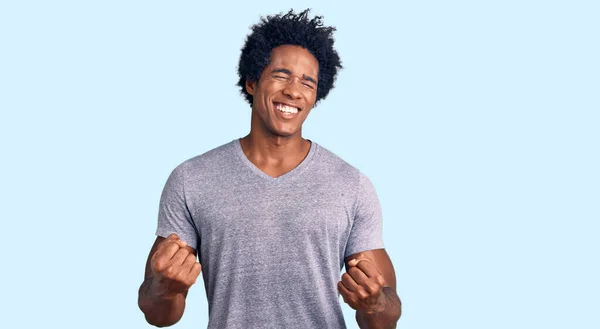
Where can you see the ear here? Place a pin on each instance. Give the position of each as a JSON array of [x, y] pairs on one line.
[[250, 85]]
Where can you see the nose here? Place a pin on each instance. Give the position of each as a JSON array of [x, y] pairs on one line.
[[292, 88]]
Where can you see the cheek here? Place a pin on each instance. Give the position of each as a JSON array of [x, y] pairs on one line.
[[312, 98], [269, 91]]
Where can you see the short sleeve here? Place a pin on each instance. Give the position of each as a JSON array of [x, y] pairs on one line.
[[367, 230], [173, 214]]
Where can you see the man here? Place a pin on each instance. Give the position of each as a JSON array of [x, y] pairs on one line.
[[272, 216]]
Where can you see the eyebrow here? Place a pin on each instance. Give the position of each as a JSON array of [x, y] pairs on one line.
[[288, 72]]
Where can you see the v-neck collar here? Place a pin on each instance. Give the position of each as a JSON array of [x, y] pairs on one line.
[[289, 175]]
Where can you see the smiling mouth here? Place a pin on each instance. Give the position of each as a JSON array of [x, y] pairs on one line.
[[286, 108]]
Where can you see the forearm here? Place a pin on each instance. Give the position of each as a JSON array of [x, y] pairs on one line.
[[383, 317], [160, 311]]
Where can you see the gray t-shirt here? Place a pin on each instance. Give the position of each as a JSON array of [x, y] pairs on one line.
[[271, 249]]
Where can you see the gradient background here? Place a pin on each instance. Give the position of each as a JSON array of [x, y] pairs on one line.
[[478, 123]]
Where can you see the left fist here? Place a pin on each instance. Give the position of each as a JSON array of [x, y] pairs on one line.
[[361, 286]]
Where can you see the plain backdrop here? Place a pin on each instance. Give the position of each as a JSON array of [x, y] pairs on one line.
[[477, 121]]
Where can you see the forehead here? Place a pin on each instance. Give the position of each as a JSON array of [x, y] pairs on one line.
[[294, 58]]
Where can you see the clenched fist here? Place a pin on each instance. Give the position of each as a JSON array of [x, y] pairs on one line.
[[174, 268], [362, 287]]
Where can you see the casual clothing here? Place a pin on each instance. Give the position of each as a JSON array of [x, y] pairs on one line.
[[271, 249]]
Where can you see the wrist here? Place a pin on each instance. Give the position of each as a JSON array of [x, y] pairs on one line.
[[384, 314], [162, 289], [380, 306]]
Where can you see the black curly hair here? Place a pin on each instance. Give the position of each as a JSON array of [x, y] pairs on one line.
[[289, 29]]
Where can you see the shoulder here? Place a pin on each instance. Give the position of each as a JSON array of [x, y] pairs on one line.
[[339, 170], [331, 164], [212, 161]]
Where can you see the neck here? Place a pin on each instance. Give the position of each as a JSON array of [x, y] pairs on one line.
[[274, 155], [263, 148]]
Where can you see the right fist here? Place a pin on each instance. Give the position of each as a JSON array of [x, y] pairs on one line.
[[174, 267]]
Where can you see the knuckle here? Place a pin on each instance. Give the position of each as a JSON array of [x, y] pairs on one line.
[[183, 253], [196, 267], [362, 294], [347, 279], [170, 272], [183, 279], [158, 265], [354, 271], [373, 288]]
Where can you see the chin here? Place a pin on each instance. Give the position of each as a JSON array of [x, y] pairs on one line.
[[286, 133], [283, 130]]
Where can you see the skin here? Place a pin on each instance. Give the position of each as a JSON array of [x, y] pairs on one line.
[[275, 145], [171, 269], [369, 287]]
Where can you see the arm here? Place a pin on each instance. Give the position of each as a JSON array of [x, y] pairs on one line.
[[369, 287], [171, 269]]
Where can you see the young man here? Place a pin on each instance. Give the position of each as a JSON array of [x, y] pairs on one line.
[[272, 216]]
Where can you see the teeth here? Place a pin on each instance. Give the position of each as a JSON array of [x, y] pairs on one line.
[[286, 109]]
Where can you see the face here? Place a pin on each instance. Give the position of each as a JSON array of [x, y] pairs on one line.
[[285, 92]]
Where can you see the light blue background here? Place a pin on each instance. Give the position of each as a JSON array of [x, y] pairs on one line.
[[477, 121]]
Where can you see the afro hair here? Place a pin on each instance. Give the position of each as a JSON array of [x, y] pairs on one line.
[[289, 29]]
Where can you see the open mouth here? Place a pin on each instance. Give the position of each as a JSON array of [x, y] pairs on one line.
[[284, 108]]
